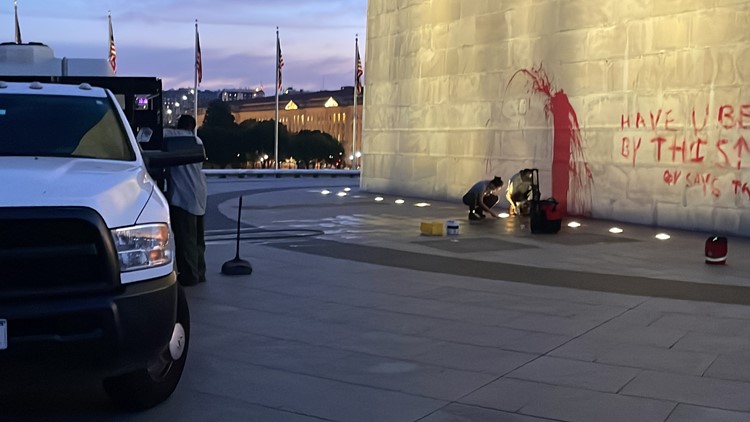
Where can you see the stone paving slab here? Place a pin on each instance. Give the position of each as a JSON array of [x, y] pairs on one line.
[[688, 413], [574, 373], [568, 404], [730, 367], [308, 395], [661, 359], [465, 413], [703, 391]]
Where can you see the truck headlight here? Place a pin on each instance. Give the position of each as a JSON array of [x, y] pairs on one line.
[[143, 246]]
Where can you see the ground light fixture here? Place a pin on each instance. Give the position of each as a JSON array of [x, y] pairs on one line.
[[615, 230], [422, 204], [378, 199], [347, 189], [399, 201], [574, 224], [662, 236], [503, 215], [325, 192], [341, 194]]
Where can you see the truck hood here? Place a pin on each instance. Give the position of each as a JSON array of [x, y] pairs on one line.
[[117, 190]]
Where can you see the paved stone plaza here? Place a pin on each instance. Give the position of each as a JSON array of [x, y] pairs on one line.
[[352, 315]]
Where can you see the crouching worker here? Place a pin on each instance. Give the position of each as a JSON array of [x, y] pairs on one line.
[[482, 197], [519, 192]]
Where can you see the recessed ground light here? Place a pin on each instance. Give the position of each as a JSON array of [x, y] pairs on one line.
[[325, 192], [421, 204], [574, 224], [399, 201], [615, 230], [341, 194], [662, 236], [503, 215], [378, 198], [347, 189]]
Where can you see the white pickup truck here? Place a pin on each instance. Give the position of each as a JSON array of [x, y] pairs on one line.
[[87, 273]]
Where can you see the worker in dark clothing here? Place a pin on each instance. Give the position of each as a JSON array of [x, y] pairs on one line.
[[187, 194], [482, 197]]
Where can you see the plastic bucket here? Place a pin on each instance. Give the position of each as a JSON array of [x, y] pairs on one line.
[[451, 227]]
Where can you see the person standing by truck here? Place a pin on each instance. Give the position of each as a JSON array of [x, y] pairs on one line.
[[187, 194]]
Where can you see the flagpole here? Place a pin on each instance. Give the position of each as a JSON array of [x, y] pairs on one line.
[[18, 26], [276, 118], [354, 119], [198, 62]]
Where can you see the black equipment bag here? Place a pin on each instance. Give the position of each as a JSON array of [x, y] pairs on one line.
[[545, 217]]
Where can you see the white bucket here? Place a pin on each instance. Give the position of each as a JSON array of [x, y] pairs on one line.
[[451, 227]]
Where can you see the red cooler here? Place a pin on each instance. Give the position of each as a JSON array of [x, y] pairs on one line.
[[716, 250]]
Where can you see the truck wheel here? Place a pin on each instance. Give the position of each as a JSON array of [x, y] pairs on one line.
[[150, 386]]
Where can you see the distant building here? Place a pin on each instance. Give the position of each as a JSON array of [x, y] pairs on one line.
[[241, 94], [177, 102], [327, 111]]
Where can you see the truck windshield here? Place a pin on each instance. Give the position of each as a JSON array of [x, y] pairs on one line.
[[62, 126]]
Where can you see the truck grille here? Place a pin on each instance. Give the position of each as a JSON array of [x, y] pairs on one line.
[[55, 251]]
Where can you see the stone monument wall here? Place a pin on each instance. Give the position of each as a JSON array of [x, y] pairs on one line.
[[632, 110]]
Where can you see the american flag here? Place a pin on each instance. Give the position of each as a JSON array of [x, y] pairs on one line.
[[280, 64], [359, 71], [198, 57], [112, 49]]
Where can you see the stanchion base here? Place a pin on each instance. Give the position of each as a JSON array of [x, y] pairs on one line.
[[237, 266]]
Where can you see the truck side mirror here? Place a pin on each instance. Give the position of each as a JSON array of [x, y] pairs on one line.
[[178, 150], [144, 135]]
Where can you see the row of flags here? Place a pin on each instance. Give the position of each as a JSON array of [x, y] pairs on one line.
[[112, 57], [358, 70]]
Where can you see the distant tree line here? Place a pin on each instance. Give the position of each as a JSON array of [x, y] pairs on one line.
[[232, 145]]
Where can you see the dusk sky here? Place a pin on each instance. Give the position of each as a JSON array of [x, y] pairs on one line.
[[237, 37]]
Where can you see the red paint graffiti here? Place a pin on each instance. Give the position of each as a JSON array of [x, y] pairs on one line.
[[697, 148], [568, 159], [741, 188], [677, 149], [706, 181]]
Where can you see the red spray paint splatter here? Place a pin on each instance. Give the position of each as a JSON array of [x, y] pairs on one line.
[[569, 165]]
